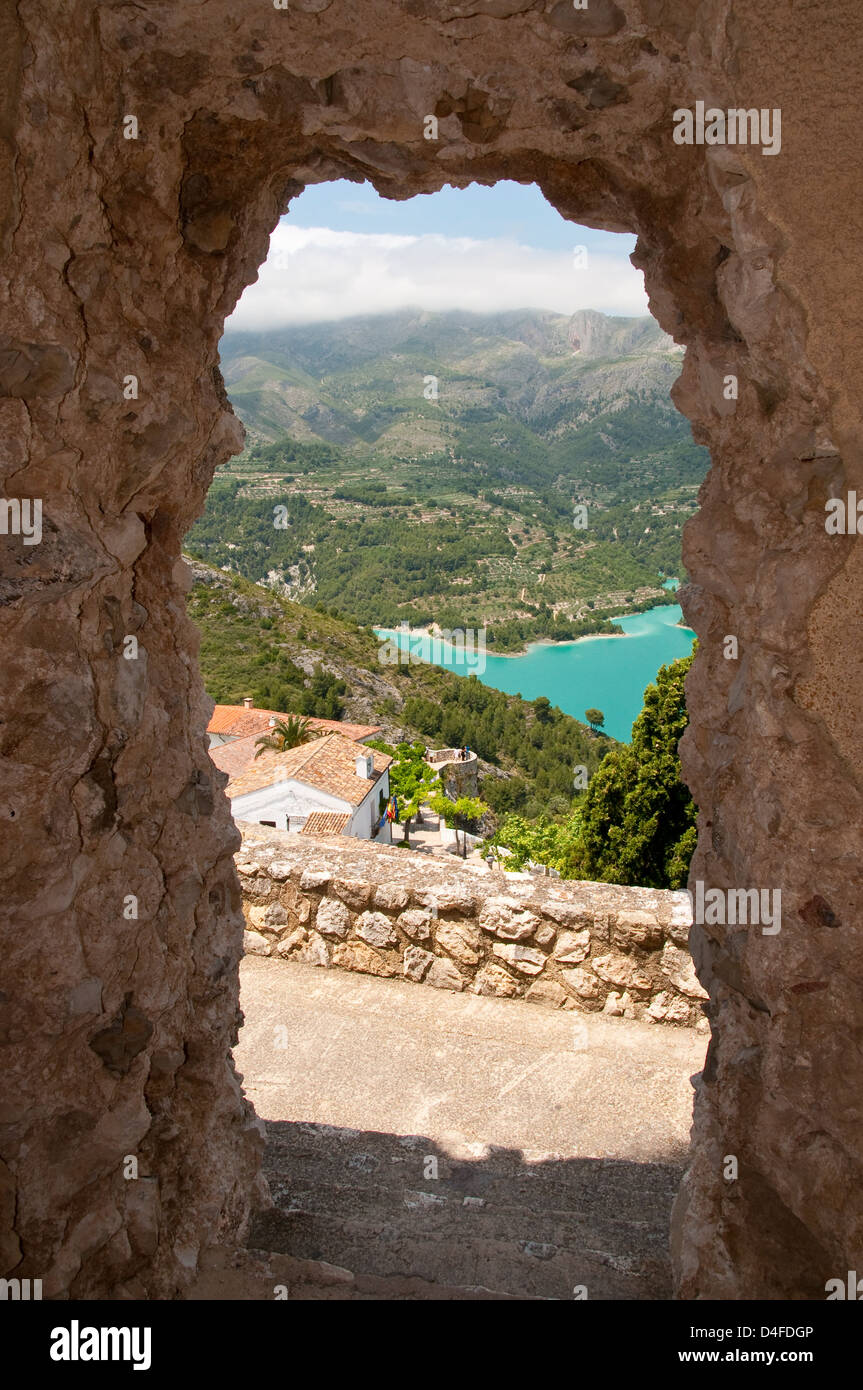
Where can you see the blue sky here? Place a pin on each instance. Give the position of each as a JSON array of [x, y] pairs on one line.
[[342, 249], [512, 210]]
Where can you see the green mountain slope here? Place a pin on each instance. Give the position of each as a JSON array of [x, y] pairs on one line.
[[360, 382], [293, 658], [430, 464]]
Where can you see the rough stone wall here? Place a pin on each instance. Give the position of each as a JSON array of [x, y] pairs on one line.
[[591, 946], [459, 779], [122, 257]]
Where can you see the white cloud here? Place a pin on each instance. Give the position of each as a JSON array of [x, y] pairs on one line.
[[313, 273]]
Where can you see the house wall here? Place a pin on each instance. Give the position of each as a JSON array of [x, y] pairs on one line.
[[298, 800], [367, 816], [291, 798]]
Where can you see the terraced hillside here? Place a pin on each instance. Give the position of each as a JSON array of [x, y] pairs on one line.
[[289, 657], [432, 467]]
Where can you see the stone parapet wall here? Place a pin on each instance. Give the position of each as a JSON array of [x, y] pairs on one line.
[[457, 778], [390, 912]]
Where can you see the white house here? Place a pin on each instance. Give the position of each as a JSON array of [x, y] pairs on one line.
[[337, 781]]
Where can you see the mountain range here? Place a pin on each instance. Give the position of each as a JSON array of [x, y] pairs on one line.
[[359, 383], [430, 467]]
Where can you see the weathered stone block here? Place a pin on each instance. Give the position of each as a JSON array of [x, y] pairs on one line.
[[571, 947], [391, 897], [582, 982], [621, 971], [416, 923], [356, 955], [314, 951], [447, 899], [634, 928], [353, 891], [290, 896], [442, 974], [669, 1008], [376, 929], [292, 942], [506, 918], [416, 962], [572, 915], [547, 992], [256, 945], [314, 880], [462, 941], [493, 979], [677, 965], [332, 917], [525, 959]]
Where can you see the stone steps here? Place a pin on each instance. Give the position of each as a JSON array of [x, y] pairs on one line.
[[359, 1200], [416, 1136], [229, 1275]]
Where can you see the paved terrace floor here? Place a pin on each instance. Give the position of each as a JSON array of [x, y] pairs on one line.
[[559, 1138]]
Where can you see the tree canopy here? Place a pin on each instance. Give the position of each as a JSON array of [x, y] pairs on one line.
[[635, 823], [412, 781], [637, 816]]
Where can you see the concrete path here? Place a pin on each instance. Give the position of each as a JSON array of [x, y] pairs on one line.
[[558, 1138], [426, 838], [425, 835]]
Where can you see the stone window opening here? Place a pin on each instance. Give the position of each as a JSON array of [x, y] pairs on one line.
[[125, 244]]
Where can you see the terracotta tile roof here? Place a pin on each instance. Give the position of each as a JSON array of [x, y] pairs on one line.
[[325, 823], [236, 756], [238, 722], [337, 726], [328, 763]]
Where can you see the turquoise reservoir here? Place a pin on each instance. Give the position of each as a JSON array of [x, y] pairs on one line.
[[607, 673]]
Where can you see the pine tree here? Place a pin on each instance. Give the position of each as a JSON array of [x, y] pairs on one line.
[[637, 817]]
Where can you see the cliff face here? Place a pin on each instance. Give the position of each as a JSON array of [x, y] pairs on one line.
[[145, 155]]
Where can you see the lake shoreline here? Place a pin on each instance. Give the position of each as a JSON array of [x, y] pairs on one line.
[[589, 672], [532, 646], [423, 632]]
